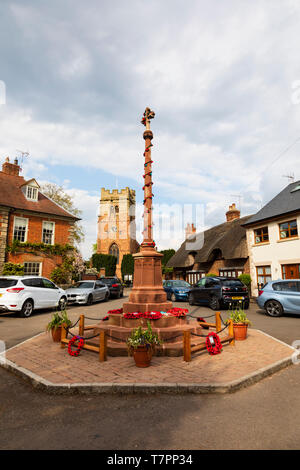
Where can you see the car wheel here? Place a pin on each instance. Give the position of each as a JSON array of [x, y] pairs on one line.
[[273, 308], [27, 308], [191, 299], [214, 303], [62, 303], [89, 300], [173, 297]]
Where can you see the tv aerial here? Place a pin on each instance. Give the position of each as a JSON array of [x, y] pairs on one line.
[[23, 154]]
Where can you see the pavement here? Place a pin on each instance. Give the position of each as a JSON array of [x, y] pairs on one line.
[[265, 415]]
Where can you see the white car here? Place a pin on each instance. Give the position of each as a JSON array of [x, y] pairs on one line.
[[25, 294]]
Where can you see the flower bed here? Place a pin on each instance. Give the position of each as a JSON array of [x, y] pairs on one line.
[[174, 312]]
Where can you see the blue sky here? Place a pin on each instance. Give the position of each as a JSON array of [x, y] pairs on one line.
[[222, 77]]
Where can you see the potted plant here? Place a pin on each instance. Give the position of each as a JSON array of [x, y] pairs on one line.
[[240, 322], [55, 324], [141, 344]]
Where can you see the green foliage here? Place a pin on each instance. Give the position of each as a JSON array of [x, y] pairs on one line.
[[238, 315], [60, 275], [127, 266], [246, 279], [58, 195], [142, 337], [56, 249], [109, 262], [167, 255], [58, 319], [210, 275], [13, 269]]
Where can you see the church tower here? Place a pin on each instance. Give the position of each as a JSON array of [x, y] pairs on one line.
[[116, 224]]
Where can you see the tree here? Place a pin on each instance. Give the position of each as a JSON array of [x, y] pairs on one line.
[[167, 255], [127, 265], [108, 262], [58, 195]]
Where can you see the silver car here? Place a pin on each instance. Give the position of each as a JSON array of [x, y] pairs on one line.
[[87, 292]]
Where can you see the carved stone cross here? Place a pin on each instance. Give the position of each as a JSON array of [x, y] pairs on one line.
[[148, 114]]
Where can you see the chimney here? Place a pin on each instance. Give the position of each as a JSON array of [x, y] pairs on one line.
[[190, 229], [12, 169], [233, 213]]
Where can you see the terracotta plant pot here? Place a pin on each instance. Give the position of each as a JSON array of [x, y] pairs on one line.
[[142, 356], [56, 334], [240, 331]]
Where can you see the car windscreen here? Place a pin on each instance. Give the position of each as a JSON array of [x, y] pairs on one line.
[[180, 284], [83, 285], [7, 283], [232, 283], [109, 281]]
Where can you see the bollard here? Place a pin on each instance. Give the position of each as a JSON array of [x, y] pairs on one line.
[[102, 346], [231, 333], [63, 335], [218, 322], [81, 325], [187, 346]]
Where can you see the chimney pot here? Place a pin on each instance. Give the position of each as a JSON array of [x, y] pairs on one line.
[[11, 169], [233, 213]]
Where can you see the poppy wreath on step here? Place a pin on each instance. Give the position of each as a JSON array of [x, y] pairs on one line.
[[117, 311], [178, 312], [152, 315], [132, 316], [213, 344], [79, 345]]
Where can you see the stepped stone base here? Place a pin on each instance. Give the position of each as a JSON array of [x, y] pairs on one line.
[[169, 330]]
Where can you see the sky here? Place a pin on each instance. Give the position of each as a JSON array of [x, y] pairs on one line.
[[222, 77]]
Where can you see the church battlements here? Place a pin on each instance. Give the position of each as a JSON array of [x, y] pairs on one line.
[[108, 195]]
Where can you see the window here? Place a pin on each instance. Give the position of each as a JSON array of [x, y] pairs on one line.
[[48, 233], [34, 282], [288, 229], [230, 272], [48, 284], [32, 193], [263, 274], [114, 250], [20, 229], [32, 269], [292, 286], [261, 235]]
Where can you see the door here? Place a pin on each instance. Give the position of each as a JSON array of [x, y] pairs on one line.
[[100, 291], [289, 295], [291, 271], [51, 293], [199, 291], [35, 290]]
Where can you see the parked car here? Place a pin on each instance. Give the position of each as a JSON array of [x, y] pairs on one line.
[[279, 297], [177, 289], [86, 292], [114, 285], [25, 294], [219, 292]]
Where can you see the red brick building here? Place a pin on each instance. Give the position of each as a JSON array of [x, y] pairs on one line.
[[29, 217]]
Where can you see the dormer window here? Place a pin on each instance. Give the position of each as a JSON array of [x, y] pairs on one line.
[[31, 193], [31, 190]]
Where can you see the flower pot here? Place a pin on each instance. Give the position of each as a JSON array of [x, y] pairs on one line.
[[240, 331], [56, 334], [142, 356]]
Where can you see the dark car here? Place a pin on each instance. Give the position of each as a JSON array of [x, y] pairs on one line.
[[219, 292], [177, 289], [114, 285]]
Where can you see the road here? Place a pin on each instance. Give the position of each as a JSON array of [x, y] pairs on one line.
[[263, 416]]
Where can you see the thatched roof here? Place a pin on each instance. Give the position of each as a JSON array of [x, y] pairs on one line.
[[229, 238]]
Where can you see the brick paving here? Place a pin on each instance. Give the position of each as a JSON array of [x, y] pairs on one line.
[[47, 359]]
